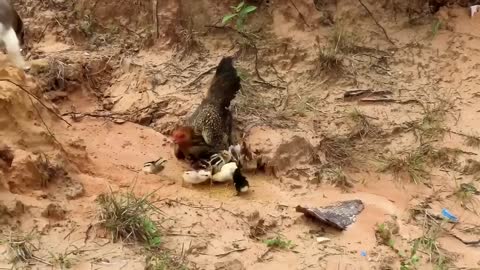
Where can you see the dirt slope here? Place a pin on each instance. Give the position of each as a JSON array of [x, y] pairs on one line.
[[124, 73]]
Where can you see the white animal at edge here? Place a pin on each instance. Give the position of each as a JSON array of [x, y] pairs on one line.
[[12, 33]]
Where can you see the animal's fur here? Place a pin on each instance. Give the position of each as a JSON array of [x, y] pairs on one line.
[[211, 122], [12, 33]]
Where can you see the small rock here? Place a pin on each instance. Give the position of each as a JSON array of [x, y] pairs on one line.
[[6, 157], [55, 95], [119, 121], [54, 211], [322, 240], [229, 265], [39, 66], [75, 191]]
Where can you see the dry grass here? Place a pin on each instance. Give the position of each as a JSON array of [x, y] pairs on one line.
[[329, 60], [343, 41], [472, 140], [21, 247], [126, 216], [164, 261], [336, 177], [431, 126], [64, 260], [465, 193], [413, 164], [428, 244], [362, 127], [338, 150], [472, 167]]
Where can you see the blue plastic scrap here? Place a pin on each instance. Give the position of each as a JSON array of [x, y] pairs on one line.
[[448, 215]]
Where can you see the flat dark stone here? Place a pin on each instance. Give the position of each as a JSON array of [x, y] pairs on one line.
[[339, 215]]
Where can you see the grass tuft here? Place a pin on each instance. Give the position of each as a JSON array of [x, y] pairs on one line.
[[413, 164], [20, 247], [362, 127], [338, 150], [127, 217], [164, 261], [472, 141], [278, 242]]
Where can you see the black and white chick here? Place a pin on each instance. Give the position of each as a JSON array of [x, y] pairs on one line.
[[240, 182], [154, 167]]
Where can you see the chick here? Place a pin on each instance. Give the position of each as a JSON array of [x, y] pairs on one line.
[[154, 167], [217, 161], [240, 182], [196, 177], [225, 173]]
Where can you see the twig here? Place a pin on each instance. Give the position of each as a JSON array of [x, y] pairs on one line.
[[181, 234], [233, 30], [262, 257], [45, 125], [37, 99], [300, 14], [376, 22], [231, 251], [269, 84], [199, 77], [90, 226]]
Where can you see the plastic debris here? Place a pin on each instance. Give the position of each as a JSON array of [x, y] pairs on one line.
[[474, 9], [363, 253], [448, 215], [339, 215]]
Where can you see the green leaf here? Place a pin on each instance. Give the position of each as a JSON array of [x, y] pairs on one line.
[[227, 18], [239, 7], [155, 242], [248, 9]]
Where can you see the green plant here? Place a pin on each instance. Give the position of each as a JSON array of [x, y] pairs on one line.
[[413, 164], [410, 262], [437, 24], [63, 260], [278, 242], [127, 216], [241, 11]]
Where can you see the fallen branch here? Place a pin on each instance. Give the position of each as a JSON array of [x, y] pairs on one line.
[[376, 22], [37, 99]]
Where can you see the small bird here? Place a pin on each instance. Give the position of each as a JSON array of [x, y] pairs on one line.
[[196, 177], [236, 152], [154, 167], [225, 173], [217, 161], [240, 182]]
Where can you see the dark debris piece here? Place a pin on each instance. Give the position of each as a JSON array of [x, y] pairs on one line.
[[339, 215]]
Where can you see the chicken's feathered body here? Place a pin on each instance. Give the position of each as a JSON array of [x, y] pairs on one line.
[[211, 122]]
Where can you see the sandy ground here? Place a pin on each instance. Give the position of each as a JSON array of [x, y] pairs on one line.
[[122, 89]]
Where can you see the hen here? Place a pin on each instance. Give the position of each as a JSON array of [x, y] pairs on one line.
[[208, 130]]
